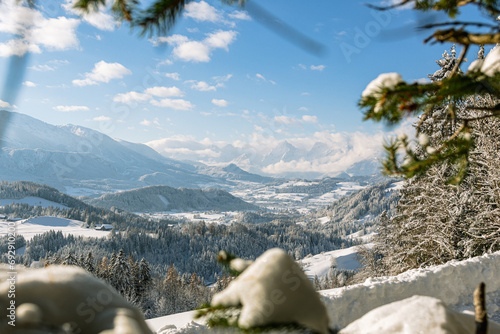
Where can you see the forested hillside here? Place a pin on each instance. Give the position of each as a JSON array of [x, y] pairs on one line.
[[164, 198], [366, 203], [21, 189]]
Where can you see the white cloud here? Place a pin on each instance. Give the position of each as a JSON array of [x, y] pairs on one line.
[[194, 51], [220, 39], [202, 86], [41, 68], [174, 76], [131, 97], [199, 51], [337, 152], [34, 31], [18, 47], [101, 19], [285, 120], [146, 123], [201, 12], [303, 109], [223, 78], [70, 108], [103, 72], [102, 118], [164, 91], [240, 15], [29, 84], [4, 104], [261, 77], [177, 104], [220, 103], [57, 34], [149, 93], [310, 119], [317, 67]]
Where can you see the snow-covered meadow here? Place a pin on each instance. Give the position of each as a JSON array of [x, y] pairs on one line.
[[28, 228]]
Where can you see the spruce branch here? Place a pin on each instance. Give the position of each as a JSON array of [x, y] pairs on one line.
[[463, 37]]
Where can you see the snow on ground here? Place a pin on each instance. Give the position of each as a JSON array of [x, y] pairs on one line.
[[395, 186], [272, 196], [453, 283], [364, 238], [34, 201], [320, 264], [28, 228], [178, 320], [208, 217]]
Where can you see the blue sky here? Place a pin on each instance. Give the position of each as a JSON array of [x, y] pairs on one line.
[[219, 78]]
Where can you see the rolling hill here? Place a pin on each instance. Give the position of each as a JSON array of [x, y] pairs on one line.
[[165, 198]]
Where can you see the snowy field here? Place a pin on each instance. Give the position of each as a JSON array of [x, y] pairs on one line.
[[320, 264], [273, 197], [34, 201], [208, 217], [453, 283], [28, 228]]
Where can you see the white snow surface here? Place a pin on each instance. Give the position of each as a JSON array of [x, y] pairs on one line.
[[384, 80], [320, 264], [439, 319], [491, 64], [28, 228], [453, 283], [34, 201], [274, 290]]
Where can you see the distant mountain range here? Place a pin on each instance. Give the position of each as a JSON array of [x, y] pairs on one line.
[[164, 198], [82, 161], [71, 157]]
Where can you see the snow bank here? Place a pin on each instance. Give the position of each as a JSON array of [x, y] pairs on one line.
[[453, 283], [406, 317]]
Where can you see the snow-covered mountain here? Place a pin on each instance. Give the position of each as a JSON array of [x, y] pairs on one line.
[[323, 154], [74, 156]]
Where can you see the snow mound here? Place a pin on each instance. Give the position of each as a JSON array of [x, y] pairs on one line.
[[453, 283], [406, 316], [384, 80], [58, 296], [274, 290]]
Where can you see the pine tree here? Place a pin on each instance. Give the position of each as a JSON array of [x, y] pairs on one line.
[[436, 222], [88, 263]]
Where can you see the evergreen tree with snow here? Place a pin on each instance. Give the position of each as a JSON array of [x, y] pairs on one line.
[[435, 221]]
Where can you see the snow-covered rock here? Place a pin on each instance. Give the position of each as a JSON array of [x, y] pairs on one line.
[[384, 80], [418, 314], [62, 296], [274, 290]]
